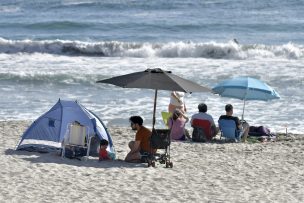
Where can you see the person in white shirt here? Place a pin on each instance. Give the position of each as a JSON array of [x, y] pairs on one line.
[[177, 102]]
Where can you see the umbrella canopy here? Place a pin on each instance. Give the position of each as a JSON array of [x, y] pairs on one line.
[[245, 88], [156, 79]]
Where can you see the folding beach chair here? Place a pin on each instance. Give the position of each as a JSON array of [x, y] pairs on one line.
[[76, 142], [201, 130], [229, 130], [166, 116]]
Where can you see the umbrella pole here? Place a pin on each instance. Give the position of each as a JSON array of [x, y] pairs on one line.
[[243, 110], [154, 109]]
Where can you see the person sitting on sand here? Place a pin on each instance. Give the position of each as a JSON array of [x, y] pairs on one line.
[[203, 115], [177, 124], [141, 146], [243, 126], [103, 153]]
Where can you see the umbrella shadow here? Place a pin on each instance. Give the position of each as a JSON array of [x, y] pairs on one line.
[[51, 157], [214, 141]]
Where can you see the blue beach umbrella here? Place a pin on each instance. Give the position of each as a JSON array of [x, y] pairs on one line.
[[245, 88]]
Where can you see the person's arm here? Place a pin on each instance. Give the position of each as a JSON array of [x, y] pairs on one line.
[[239, 125], [186, 117], [212, 121]]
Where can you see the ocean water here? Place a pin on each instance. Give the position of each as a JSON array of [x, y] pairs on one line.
[[60, 48]]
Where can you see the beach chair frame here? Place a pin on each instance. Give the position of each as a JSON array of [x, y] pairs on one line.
[[77, 136], [229, 130]]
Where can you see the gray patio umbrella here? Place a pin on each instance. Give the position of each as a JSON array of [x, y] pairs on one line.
[[156, 79]]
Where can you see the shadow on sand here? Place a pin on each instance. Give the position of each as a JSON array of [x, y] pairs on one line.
[[53, 157]]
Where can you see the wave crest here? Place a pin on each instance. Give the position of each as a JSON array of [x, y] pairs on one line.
[[229, 50], [48, 78]]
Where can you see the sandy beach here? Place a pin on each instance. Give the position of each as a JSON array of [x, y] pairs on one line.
[[202, 172]]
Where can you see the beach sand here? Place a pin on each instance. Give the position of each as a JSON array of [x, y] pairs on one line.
[[202, 172]]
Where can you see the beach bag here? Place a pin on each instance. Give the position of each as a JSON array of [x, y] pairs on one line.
[[68, 153], [198, 135], [160, 138], [76, 152], [80, 152], [259, 131]]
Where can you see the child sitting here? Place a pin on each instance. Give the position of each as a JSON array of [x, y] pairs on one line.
[[103, 153], [177, 124]]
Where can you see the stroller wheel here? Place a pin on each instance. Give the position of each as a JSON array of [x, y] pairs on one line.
[[169, 165], [151, 163]]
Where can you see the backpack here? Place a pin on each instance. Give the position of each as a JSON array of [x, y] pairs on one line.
[[198, 135], [75, 153]]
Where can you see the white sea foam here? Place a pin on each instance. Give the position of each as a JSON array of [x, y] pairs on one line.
[[31, 83], [215, 50], [9, 9]]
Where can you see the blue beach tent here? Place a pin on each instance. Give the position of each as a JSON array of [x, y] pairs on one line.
[[47, 132]]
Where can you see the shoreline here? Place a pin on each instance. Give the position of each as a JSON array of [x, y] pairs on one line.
[[27, 123], [202, 172]]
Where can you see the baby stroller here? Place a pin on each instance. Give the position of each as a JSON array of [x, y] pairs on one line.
[[160, 139]]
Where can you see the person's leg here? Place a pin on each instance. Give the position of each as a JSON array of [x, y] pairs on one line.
[[133, 155]]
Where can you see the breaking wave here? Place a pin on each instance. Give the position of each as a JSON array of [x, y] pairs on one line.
[[229, 50], [51, 78]]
